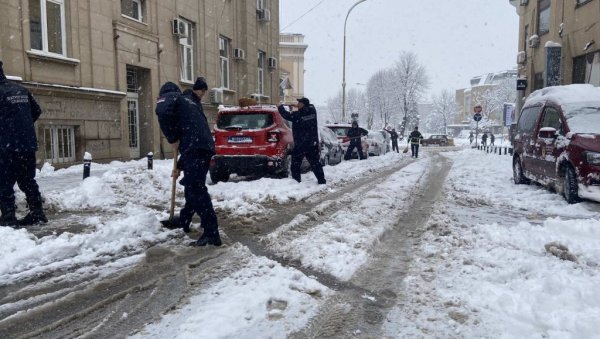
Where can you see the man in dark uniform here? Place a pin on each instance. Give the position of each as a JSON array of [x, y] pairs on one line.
[[18, 144], [306, 139], [182, 120], [394, 137], [355, 134], [414, 139]]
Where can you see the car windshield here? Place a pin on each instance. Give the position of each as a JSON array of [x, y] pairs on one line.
[[584, 118], [245, 121], [340, 131]]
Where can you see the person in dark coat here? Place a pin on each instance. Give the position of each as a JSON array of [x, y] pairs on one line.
[[492, 138], [414, 139], [355, 135], [394, 137], [18, 144], [484, 139], [471, 137], [306, 139], [182, 121]]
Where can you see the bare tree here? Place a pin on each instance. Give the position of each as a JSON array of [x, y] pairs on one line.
[[493, 98], [378, 96], [444, 110], [355, 103], [410, 83]]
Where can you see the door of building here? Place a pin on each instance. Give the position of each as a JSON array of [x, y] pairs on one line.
[[133, 125]]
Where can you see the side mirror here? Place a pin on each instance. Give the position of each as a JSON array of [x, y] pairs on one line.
[[547, 133]]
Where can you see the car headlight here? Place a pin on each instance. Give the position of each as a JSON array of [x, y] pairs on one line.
[[592, 158]]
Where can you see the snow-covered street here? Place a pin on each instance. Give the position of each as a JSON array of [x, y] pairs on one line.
[[441, 246]]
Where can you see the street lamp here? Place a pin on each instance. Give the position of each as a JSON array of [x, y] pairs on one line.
[[344, 66]]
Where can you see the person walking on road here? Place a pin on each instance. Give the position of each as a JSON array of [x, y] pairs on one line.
[[484, 139], [306, 139], [414, 139], [492, 138], [18, 144], [182, 121], [394, 137], [355, 135]]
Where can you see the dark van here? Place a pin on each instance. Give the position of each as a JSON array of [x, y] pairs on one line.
[[557, 141]]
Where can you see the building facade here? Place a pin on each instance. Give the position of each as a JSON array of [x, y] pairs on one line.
[[291, 58], [96, 67], [559, 42]]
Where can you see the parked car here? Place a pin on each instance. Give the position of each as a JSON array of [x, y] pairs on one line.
[[341, 130], [252, 140], [437, 140], [557, 141], [377, 143], [331, 149]]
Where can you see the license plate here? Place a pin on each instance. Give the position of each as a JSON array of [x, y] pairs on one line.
[[239, 140]]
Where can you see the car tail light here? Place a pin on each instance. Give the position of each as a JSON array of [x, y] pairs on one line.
[[273, 136], [345, 139]]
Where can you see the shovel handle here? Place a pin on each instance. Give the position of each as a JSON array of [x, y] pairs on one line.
[[173, 185]]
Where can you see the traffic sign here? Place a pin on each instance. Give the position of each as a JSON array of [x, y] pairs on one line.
[[477, 116]]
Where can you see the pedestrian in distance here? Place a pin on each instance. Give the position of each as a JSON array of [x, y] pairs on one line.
[[414, 139], [355, 135], [492, 138], [18, 144], [471, 137], [182, 121], [306, 139], [394, 137], [484, 139]]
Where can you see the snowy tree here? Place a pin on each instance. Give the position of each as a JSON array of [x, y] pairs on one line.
[[493, 98], [355, 103], [380, 98], [410, 81], [443, 112]]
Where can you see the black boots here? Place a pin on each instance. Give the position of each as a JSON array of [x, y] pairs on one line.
[[33, 218], [8, 217], [208, 238]]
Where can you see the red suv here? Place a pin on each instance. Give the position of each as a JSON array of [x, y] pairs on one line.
[[557, 141], [253, 140]]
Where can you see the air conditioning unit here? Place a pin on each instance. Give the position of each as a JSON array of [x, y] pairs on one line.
[[272, 62], [524, 2], [534, 41], [263, 14], [180, 28], [521, 57], [215, 96], [239, 54]]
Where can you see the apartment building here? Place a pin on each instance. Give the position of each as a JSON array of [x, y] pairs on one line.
[[291, 60], [96, 67], [559, 42]]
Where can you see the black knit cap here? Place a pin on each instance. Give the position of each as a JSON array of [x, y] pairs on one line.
[[200, 84], [305, 101], [2, 76]]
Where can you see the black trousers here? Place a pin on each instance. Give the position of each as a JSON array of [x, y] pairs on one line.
[[313, 155], [197, 200], [395, 146], [351, 147], [19, 168]]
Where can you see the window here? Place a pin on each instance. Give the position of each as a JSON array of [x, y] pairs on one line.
[[538, 81], [582, 2], [187, 52], [59, 142], [528, 119], [260, 4], [552, 119], [525, 37], [47, 26], [133, 9], [586, 69], [224, 46], [261, 72], [543, 17], [245, 121]]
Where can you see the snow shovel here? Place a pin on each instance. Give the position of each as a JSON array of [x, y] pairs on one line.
[[173, 221], [405, 150]]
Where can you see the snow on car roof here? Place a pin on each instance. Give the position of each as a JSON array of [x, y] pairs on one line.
[[248, 108], [565, 95]]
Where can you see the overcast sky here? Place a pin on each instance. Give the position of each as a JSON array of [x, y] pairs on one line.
[[454, 39]]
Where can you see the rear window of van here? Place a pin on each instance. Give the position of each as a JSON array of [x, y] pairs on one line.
[[244, 121]]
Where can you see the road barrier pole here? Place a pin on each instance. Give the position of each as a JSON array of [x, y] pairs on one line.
[[150, 157], [87, 165]]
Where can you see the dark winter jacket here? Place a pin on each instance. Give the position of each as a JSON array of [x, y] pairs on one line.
[[492, 137], [181, 118], [484, 137], [304, 126], [355, 133], [415, 137], [18, 112], [393, 135]]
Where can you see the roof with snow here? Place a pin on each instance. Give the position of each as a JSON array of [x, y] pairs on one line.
[[565, 95]]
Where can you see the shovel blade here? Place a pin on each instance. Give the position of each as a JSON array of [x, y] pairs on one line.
[[171, 223]]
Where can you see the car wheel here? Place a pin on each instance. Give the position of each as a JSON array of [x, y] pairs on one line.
[[286, 167], [570, 187], [216, 176], [518, 175]]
